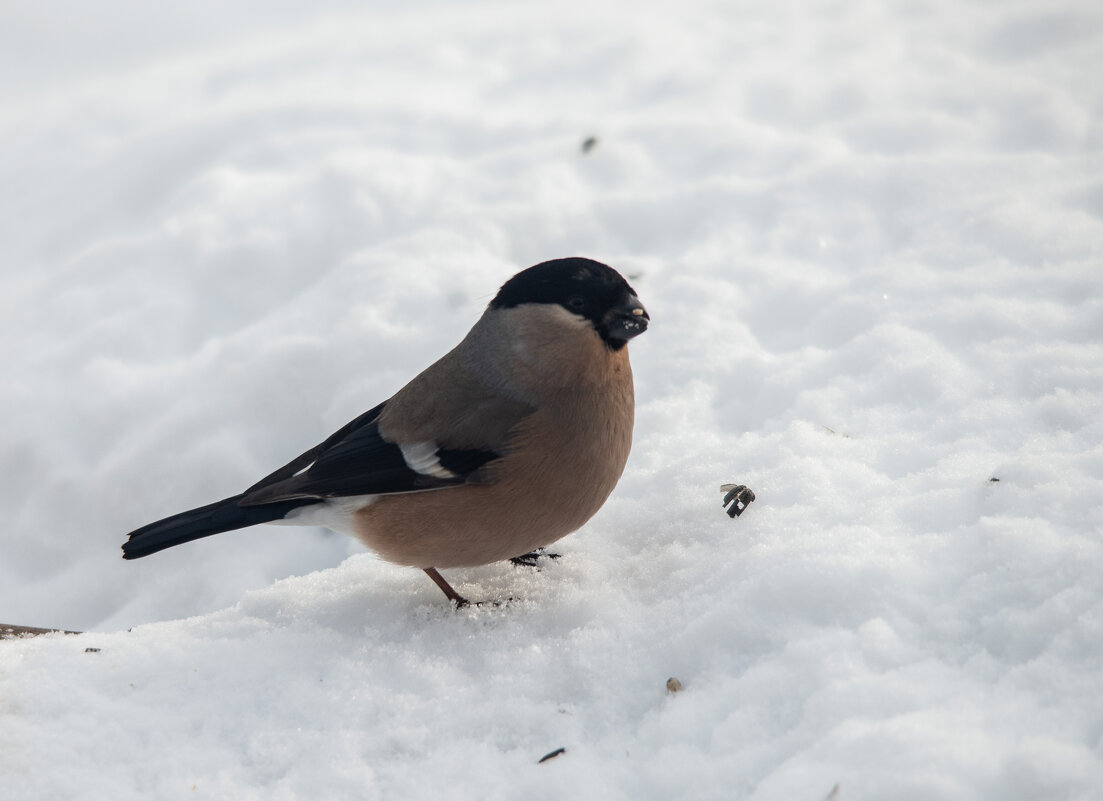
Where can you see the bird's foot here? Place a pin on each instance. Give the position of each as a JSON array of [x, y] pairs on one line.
[[532, 558], [738, 496], [458, 601], [500, 602], [446, 588]]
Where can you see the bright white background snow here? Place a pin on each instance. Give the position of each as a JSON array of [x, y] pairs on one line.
[[870, 238]]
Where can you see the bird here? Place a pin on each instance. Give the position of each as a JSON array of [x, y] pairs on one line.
[[507, 443]]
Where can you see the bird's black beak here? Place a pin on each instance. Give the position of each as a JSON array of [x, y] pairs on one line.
[[626, 320]]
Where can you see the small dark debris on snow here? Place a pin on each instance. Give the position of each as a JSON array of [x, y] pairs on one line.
[[993, 480], [588, 144], [738, 496], [551, 755], [91, 650], [673, 685]]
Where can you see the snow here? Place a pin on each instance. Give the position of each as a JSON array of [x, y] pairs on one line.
[[869, 237]]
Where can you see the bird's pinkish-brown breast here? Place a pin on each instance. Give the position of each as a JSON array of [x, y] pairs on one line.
[[561, 464]]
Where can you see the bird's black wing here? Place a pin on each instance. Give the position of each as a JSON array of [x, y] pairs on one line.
[[357, 460]]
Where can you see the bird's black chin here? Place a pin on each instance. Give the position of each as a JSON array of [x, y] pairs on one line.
[[625, 328], [627, 320]]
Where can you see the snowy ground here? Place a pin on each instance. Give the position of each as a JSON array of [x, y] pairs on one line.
[[870, 238]]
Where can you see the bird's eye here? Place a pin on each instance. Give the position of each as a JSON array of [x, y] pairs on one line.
[[576, 302]]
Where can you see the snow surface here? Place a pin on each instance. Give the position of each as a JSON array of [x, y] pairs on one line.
[[870, 238]]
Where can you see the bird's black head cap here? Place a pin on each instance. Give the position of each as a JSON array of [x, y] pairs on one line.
[[584, 287]]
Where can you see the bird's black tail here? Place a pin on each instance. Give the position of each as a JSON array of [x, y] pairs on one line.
[[224, 515]]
